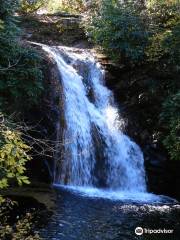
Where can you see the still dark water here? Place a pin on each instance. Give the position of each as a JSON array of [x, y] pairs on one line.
[[84, 218]]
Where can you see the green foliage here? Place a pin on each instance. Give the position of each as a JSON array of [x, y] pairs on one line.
[[8, 28], [13, 157], [14, 154], [7, 8], [22, 229], [172, 141], [165, 25], [145, 34], [127, 30], [120, 30], [164, 52], [170, 116], [31, 6], [20, 73], [70, 6], [20, 88], [171, 108]]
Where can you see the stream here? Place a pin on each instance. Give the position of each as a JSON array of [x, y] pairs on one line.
[[83, 217]]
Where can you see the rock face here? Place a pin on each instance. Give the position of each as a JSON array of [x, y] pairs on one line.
[[54, 29], [140, 111], [47, 118]]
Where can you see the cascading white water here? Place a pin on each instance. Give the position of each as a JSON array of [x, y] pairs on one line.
[[97, 152]]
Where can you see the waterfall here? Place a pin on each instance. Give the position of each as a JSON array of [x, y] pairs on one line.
[[97, 152]]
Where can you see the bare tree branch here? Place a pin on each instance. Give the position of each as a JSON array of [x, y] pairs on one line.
[[10, 66]]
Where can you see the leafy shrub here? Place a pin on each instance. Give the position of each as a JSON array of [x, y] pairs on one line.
[[20, 67], [164, 52], [172, 141], [23, 228], [14, 154], [20, 87], [7, 8], [171, 118], [148, 35], [165, 26], [21, 77], [70, 6], [31, 6], [134, 31], [119, 28], [8, 28]]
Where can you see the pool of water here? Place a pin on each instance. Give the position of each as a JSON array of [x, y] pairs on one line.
[[90, 215]]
